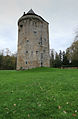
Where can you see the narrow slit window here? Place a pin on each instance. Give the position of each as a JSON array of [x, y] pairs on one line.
[[21, 25], [35, 32], [27, 40], [26, 51], [36, 52], [41, 41], [26, 62]]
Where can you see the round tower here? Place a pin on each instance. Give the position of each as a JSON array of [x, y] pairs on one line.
[[33, 42]]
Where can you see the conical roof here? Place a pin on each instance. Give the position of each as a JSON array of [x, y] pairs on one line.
[[30, 12]]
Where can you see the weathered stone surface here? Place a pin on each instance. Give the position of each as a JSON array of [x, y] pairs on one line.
[[33, 42]]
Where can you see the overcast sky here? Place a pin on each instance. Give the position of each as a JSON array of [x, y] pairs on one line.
[[62, 16]]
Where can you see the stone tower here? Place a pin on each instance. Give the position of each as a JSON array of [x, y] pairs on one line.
[[33, 42]]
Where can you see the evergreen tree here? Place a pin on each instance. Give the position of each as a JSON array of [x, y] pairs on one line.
[[65, 59], [52, 58]]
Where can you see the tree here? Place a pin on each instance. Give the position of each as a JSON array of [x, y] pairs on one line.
[[1, 60], [60, 55], [52, 58], [73, 53], [8, 61], [57, 62], [65, 59]]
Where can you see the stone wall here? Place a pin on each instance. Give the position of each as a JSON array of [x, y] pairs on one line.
[[33, 43]]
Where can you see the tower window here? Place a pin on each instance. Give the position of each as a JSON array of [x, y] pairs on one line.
[[41, 41], [27, 40], [21, 26], [41, 64], [26, 62], [35, 32], [36, 52], [26, 51]]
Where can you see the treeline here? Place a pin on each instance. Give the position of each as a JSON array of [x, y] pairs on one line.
[[7, 60], [68, 58]]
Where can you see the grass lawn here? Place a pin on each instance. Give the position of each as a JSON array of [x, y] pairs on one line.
[[41, 93]]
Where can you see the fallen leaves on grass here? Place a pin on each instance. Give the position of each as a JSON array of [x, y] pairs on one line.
[[67, 103], [75, 110], [6, 108], [74, 115], [59, 107], [14, 105], [64, 112]]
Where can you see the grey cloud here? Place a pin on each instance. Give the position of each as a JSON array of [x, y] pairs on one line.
[[61, 14]]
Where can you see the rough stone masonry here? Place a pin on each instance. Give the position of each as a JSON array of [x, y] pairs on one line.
[[33, 42]]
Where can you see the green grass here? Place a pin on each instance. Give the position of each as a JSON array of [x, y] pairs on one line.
[[41, 93]]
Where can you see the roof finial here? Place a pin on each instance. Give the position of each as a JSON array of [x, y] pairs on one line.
[[24, 13]]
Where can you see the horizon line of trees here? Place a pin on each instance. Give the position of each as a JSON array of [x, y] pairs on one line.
[[68, 58], [7, 60]]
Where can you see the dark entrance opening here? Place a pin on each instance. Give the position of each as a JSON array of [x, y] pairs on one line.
[[41, 64]]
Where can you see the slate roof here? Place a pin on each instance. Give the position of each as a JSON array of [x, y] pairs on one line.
[[30, 12]]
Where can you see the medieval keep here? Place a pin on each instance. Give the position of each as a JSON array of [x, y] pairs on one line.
[[33, 42]]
